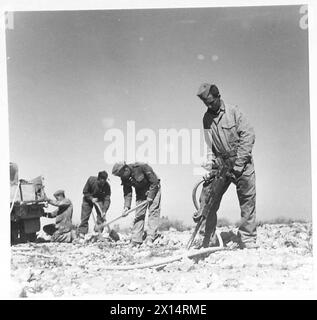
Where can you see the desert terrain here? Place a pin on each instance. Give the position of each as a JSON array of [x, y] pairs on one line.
[[284, 261]]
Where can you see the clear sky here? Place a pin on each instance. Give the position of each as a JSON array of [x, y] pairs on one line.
[[69, 71]]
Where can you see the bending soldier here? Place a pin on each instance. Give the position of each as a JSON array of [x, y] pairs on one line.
[[147, 187], [96, 190]]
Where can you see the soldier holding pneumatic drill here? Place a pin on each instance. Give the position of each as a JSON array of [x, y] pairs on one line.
[[230, 139]]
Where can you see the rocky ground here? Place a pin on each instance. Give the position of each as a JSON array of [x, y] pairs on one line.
[[283, 261]]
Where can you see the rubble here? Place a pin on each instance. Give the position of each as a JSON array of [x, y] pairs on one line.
[[284, 260]]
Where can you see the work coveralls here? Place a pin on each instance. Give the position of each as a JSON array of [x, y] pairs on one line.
[[92, 190], [147, 186], [61, 231], [229, 136]]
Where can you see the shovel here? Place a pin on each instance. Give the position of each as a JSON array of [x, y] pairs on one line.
[[98, 227]]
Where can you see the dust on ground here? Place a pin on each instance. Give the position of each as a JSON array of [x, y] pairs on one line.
[[284, 261]]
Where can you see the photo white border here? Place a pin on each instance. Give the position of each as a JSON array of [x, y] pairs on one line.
[[47, 5]]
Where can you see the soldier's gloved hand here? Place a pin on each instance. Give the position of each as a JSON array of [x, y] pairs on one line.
[[124, 213], [101, 219], [210, 174], [94, 200], [237, 171], [206, 176], [207, 165], [149, 201], [196, 216]]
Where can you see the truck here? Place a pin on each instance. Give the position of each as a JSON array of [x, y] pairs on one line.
[[27, 203]]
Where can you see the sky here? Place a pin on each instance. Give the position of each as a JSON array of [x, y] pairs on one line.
[[72, 75]]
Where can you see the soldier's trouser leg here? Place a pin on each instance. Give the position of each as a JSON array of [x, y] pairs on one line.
[[138, 225], [211, 221], [65, 237], [202, 200], [154, 216], [247, 193], [86, 209]]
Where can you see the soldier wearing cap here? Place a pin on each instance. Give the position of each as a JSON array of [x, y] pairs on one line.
[[147, 187], [229, 136], [61, 231], [96, 190]]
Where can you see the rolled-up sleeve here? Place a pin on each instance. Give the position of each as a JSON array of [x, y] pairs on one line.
[[62, 205]]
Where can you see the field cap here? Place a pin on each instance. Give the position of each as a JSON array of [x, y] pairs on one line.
[[59, 192], [117, 167], [103, 175], [205, 89]]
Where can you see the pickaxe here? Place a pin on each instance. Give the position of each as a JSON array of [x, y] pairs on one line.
[[113, 234]]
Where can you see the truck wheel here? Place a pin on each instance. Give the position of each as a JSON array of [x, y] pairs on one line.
[[27, 237], [23, 237], [28, 229], [31, 237]]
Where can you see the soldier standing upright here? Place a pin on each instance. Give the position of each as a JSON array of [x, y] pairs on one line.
[[229, 137]]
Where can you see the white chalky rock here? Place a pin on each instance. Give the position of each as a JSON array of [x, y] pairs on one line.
[[25, 275], [57, 291], [231, 283], [290, 262], [142, 254], [15, 289], [133, 286]]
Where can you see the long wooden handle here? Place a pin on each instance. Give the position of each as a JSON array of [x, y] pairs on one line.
[[164, 261], [129, 211], [119, 217]]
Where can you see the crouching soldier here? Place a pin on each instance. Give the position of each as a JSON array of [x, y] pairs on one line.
[[61, 230], [96, 190], [147, 187]]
